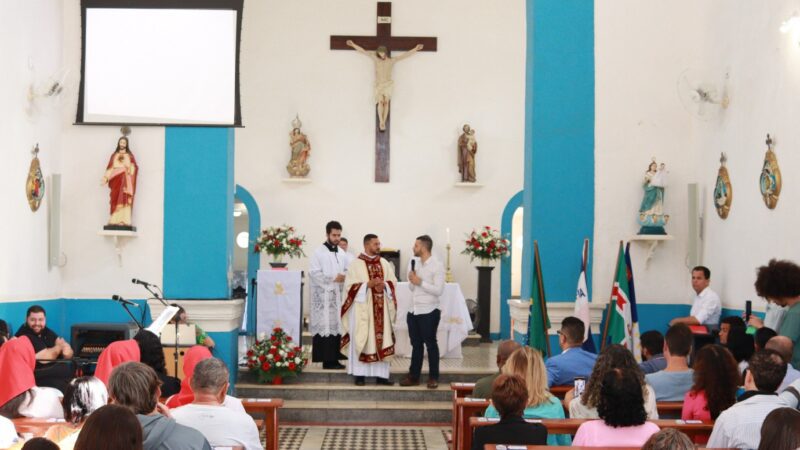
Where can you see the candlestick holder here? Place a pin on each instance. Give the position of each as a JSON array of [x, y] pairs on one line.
[[448, 275]]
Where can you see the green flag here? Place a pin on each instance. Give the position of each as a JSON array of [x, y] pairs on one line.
[[618, 319], [538, 322]]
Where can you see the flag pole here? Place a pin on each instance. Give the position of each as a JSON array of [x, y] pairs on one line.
[[611, 300], [540, 287], [585, 256]]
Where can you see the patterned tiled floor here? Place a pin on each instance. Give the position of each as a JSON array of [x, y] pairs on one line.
[[362, 438]]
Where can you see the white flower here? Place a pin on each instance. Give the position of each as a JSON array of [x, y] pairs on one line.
[[297, 360], [281, 352], [262, 336], [269, 356]]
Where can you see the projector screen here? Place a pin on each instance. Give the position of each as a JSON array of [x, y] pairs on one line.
[[159, 65]]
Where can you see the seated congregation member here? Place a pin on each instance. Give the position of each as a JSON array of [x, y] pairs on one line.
[[716, 380], [740, 425], [40, 443], [116, 353], [741, 346], [8, 433], [483, 387], [785, 348], [192, 357], [573, 360], [706, 306], [652, 352], [672, 383], [621, 408], [779, 283], [221, 426], [48, 347], [82, 397], [669, 439], [727, 324], [202, 338], [136, 386], [612, 357], [4, 333], [527, 364], [508, 397], [19, 395], [762, 336], [781, 430], [152, 353], [112, 427]]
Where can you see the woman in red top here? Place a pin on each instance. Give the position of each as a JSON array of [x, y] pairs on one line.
[[716, 379]]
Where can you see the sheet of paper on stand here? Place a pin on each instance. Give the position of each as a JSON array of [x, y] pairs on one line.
[[158, 325], [454, 325]]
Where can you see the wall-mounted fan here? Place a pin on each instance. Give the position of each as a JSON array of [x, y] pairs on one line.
[[703, 99]]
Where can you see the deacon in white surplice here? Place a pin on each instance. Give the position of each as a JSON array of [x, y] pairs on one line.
[[368, 313], [326, 271]]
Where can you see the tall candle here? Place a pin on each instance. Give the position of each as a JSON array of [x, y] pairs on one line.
[[448, 234]]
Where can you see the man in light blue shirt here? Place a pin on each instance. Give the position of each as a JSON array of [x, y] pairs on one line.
[[672, 383], [573, 360]]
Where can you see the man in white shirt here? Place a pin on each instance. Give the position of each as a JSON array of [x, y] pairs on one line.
[[221, 426], [326, 271], [706, 307], [740, 425], [426, 281]]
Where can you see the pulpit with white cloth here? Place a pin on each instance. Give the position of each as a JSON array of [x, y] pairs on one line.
[[454, 324], [279, 302]]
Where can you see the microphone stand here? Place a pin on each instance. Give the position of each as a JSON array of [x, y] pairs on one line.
[[175, 349]]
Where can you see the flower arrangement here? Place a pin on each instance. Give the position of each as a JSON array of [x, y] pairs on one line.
[[279, 241], [275, 358], [486, 244]]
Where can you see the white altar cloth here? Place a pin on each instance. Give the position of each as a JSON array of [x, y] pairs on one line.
[[278, 302], [454, 325]]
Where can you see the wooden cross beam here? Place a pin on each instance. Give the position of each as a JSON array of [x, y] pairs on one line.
[[383, 37]]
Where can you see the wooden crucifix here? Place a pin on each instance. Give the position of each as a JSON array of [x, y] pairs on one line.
[[382, 44]]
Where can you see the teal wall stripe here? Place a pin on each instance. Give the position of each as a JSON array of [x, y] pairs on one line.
[[198, 212], [253, 259], [505, 265], [558, 197]]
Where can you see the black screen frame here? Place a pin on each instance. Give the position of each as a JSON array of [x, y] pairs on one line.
[[236, 5]]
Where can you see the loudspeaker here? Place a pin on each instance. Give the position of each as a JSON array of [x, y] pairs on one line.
[[695, 231], [54, 256]]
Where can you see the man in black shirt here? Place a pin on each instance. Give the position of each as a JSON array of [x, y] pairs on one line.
[[48, 347]]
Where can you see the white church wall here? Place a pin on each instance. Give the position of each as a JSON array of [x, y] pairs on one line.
[[641, 49], [93, 269], [30, 45], [475, 77], [764, 85]]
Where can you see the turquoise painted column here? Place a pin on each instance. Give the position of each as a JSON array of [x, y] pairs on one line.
[[198, 212], [558, 198]]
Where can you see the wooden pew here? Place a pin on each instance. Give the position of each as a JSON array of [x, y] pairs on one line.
[[466, 408], [34, 427], [570, 426], [459, 390], [269, 408], [557, 447]]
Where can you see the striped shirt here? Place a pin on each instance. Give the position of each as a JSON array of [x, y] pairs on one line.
[[740, 425]]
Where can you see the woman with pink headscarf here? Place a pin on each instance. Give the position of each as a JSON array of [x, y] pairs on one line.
[[115, 354], [19, 395]]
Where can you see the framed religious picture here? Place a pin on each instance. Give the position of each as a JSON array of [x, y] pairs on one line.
[[770, 180], [723, 191], [34, 185]]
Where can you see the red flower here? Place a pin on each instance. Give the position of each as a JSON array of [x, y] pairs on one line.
[[277, 358], [290, 355], [291, 366], [488, 227], [491, 244], [297, 349], [277, 330], [249, 353], [288, 339], [485, 234], [265, 367], [262, 358], [273, 350], [256, 248], [476, 245]]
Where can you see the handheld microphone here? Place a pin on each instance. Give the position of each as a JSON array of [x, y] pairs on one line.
[[119, 299], [413, 264], [748, 310], [143, 283]]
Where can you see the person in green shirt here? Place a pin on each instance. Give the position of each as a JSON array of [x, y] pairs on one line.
[[483, 387], [202, 337], [779, 283]]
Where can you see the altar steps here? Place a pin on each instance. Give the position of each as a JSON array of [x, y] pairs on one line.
[[473, 339], [320, 396]]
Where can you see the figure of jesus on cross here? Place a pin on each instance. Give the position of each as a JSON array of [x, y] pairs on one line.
[[383, 76]]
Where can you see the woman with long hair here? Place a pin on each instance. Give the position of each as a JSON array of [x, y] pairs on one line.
[[112, 427], [781, 430], [716, 379], [152, 353], [528, 364], [612, 357], [621, 408]]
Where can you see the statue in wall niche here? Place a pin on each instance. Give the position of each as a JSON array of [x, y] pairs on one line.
[[467, 148], [651, 212], [120, 176], [301, 149]]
